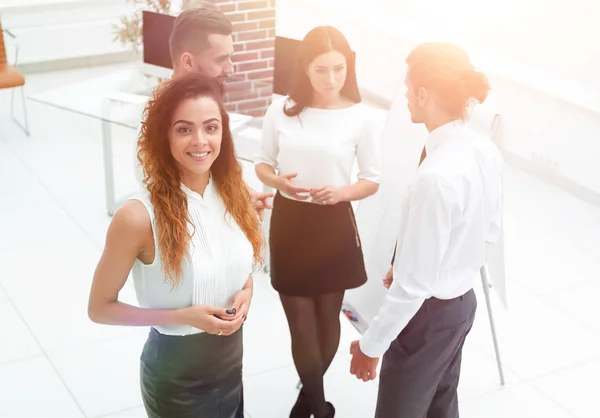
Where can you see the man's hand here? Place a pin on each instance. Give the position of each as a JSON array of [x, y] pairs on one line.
[[388, 279], [363, 367], [260, 200]]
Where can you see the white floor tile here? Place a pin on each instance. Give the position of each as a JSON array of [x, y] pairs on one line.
[[31, 388], [267, 343], [98, 236], [9, 131], [548, 250], [540, 265], [512, 402], [19, 186], [576, 389], [23, 226], [103, 376], [479, 373], [72, 165], [19, 343], [88, 210], [351, 397], [535, 336], [137, 412], [3, 298], [51, 126], [271, 394], [66, 161], [61, 320], [61, 181], [140, 412], [580, 301], [56, 267]]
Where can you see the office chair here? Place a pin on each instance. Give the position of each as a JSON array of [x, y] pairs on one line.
[[11, 78]]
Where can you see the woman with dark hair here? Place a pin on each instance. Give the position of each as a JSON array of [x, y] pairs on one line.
[[191, 240], [311, 141]]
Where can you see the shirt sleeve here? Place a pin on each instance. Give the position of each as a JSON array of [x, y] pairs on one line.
[[368, 152], [417, 264], [268, 150]]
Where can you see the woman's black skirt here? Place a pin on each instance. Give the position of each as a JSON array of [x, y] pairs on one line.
[[314, 248], [197, 376]]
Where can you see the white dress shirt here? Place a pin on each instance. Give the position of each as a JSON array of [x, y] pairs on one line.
[[321, 145], [452, 209], [219, 264]]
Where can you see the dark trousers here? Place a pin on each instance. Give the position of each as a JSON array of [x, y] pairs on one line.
[[420, 371]]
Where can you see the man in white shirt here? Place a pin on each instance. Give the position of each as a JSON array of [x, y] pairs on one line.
[[201, 43], [452, 209]]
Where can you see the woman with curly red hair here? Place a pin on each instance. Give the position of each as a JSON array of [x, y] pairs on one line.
[[191, 239]]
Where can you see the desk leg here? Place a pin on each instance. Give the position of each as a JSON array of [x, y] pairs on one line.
[[109, 178]]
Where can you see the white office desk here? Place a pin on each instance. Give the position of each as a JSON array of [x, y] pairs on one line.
[[105, 99]]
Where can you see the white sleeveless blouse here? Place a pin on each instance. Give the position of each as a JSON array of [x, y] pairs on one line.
[[220, 262]]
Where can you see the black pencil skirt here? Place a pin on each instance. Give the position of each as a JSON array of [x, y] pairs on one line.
[[192, 376], [314, 249]]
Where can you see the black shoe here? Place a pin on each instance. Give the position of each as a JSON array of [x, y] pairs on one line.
[[330, 412], [301, 408]]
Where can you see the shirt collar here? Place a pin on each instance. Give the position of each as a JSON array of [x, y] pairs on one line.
[[208, 192], [442, 133]]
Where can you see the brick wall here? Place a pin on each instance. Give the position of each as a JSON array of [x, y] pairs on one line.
[[249, 91]]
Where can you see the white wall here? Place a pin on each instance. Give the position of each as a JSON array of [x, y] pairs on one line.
[[55, 30], [551, 129], [555, 137]]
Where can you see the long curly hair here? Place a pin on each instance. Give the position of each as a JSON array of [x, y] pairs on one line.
[[162, 176]]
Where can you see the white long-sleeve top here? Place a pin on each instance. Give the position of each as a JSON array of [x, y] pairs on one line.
[[321, 145], [452, 209], [220, 262]]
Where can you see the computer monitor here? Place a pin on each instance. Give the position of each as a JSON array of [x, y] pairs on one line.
[[156, 30], [286, 53]]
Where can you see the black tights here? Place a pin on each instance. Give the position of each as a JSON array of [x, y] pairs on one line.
[[315, 330]]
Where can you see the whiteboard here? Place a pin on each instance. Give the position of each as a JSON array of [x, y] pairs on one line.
[[486, 120], [378, 217]]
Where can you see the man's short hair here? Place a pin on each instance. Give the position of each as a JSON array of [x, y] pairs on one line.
[[192, 28]]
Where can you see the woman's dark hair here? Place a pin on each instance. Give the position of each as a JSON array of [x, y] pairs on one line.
[[321, 40], [446, 70], [162, 177]]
